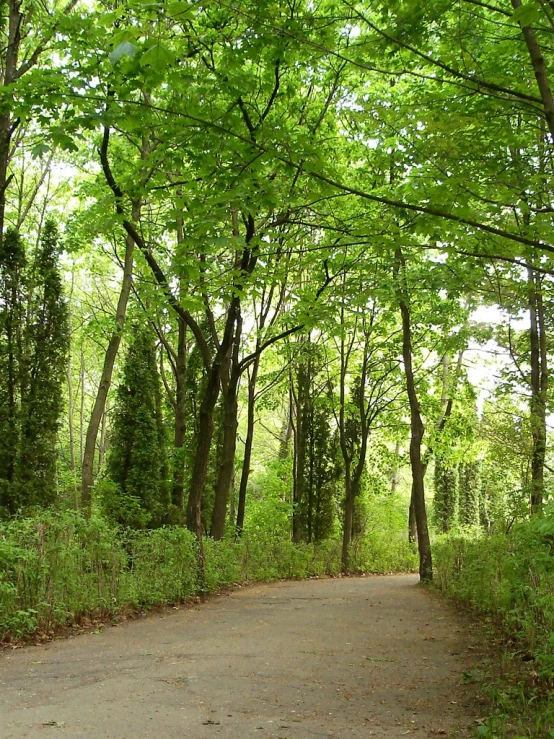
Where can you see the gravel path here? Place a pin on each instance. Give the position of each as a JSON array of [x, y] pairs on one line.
[[358, 657]]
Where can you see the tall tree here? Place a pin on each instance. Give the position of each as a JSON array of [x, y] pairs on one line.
[[137, 458]]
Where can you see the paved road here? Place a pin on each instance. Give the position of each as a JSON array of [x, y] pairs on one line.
[[360, 657]]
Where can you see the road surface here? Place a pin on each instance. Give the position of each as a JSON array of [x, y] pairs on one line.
[[356, 657]]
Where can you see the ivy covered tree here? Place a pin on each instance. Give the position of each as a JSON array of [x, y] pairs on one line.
[[446, 495], [469, 492], [137, 463], [315, 447]]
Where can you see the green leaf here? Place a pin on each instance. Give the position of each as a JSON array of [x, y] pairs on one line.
[[157, 57], [178, 9], [125, 48], [526, 13], [39, 150]]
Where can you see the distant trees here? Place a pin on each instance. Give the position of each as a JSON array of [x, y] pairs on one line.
[[294, 226]]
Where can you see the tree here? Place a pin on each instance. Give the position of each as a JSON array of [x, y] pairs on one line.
[[137, 457], [35, 342], [447, 495]]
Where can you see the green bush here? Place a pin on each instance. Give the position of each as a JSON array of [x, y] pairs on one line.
[[58, 567], [510, 576]]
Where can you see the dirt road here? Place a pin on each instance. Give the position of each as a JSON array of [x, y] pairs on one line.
[[360, 657]]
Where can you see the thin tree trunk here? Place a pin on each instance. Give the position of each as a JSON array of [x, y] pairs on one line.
[[539, 386], [7, 124], [539, 68], [71, 400], [245, 472], [102, 442], [417, 430], [202, 454], [310, 500], [87, 478], [82, 404], [301, 443], [286, 434], [412, 525], [70, 412], [348, 517], [178, 490]]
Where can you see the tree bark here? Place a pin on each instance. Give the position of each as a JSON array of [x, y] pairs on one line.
[[180, 430], [202, 453], [417, 430], [539, 387], [539, 68], [302, 407], [245, 472], [7, 124], [286, 434], [87, 478], [348, 517], [412, 525], [229, 445], [227, 460]]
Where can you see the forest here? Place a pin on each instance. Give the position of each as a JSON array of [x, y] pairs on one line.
[[275, 302]]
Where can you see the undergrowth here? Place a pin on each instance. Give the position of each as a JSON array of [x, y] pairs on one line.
[[510, 578], [58, 568]]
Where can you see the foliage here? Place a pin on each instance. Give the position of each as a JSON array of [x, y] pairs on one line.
[[58, 568], [137, 460], [34, 341], [446, 501], [510, 576]]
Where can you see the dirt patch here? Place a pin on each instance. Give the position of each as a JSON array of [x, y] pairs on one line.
[[357, 657]]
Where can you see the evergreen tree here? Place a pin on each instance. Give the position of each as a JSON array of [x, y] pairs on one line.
[[137, 458], [316, 448], [34, 342], [43, 368], [446, 495], [323, 473], [12, 266]]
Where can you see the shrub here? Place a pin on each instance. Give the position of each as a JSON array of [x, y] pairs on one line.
[[58, 566], [510, 576]]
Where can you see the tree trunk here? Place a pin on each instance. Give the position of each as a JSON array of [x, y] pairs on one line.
[[178, 489], [245, 473], [539, 387], [229, 445], [417, 430], [71, 399], [7, 124], [227, 459], [412, 526], [301, 450], [81, 404], [202, 454], [70, 412], [540, 70], [102, 442], [107, 371], [348, 517], [286, 434]]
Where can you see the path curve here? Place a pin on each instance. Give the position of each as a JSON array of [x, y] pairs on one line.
[[357, 657]]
